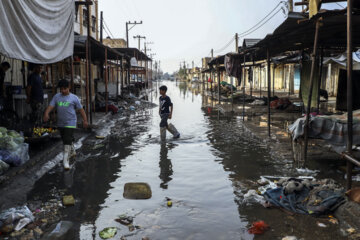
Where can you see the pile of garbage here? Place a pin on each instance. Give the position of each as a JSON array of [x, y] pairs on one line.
[[13, 150], [299, 195]]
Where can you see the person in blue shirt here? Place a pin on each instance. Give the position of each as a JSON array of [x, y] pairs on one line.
[[166, 109], [35, 94], [66, 105]]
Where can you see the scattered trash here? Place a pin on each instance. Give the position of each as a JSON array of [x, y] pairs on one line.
[[169, 203], [333, 221], [125, 220], [137, 102], [107, 233], [15, 218], [289, 238], [68, 200], [98, 146], [253, 196], [100, 137], [258, 102], [305, 196], [22, 223], [137, 191], [132, 108], [258, 228], [59, 231], [321, 224], [350, 230], [307, 171], [354, 195]]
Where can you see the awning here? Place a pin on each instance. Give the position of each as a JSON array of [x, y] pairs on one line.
[[133, 52], [97, 50]]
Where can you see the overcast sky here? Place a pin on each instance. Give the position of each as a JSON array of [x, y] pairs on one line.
[[187, 30]]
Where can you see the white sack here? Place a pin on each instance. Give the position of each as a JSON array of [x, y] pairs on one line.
[[38, 31]]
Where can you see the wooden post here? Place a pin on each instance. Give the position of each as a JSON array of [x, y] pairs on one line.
[[269, 90], [87, 80], [320, 77], [308, 107], [244, 76], [273, 80], [72, 73], [349, 92], [218, 75], [106, 83]]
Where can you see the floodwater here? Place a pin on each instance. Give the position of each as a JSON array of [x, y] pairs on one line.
[[206, 173]]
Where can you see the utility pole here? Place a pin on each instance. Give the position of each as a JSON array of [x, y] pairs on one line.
[[212, 53], [192, 64], [139, 40], [291, 5], [101, 27], [127, 30], [236, 43]]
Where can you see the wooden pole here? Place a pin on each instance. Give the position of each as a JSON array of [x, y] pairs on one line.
[[244, 76], [349, 91], [106, 83], [269, 90], [218, 75], [89, 58], [87, 80], [308, 107], [72, 73], [320, 77]]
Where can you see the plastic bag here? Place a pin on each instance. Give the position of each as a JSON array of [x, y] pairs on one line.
[[12, 215], [3, 167], [17, 157]]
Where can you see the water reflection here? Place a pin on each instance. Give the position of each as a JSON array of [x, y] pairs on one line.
[[165, 165]]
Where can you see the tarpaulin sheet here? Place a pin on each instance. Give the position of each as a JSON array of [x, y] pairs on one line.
[[232, 66], [331, 129], [38, 31], [342, 60], [305, 83]]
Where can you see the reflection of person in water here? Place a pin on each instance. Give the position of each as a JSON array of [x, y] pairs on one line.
[[165, 166]]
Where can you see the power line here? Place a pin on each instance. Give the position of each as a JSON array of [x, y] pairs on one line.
[[339, 5], [244, 35], [261, 21], [226, 46]]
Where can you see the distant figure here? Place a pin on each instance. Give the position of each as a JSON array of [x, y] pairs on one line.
[[3, 68], [66, 105], [166, 108], [35, 95]]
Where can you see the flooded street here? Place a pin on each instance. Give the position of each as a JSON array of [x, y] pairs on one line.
[[205, 173]]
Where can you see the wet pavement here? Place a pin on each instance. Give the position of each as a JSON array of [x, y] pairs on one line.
[[205, 173]]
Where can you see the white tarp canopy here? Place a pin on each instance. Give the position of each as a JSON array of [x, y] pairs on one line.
[[38, 31], [342, 60]]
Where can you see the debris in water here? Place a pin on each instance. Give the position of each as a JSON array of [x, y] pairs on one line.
[[68, 200], [350, 230], [169, 203], [137, 191], [107, 233], [321, 225], [125, 220], [100, 137], [258, 228], [289, 238], [98, 146]]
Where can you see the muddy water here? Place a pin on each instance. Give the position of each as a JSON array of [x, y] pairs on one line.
[[206, 173]]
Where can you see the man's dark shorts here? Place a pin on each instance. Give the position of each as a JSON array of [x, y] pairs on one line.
[[164, 119], [67, 135]]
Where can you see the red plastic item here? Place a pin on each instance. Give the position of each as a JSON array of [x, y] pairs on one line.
[[258, 228]]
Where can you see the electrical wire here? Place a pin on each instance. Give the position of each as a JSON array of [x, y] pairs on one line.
[[226, 46], [339, 5], [244, 35], [261, 21]]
